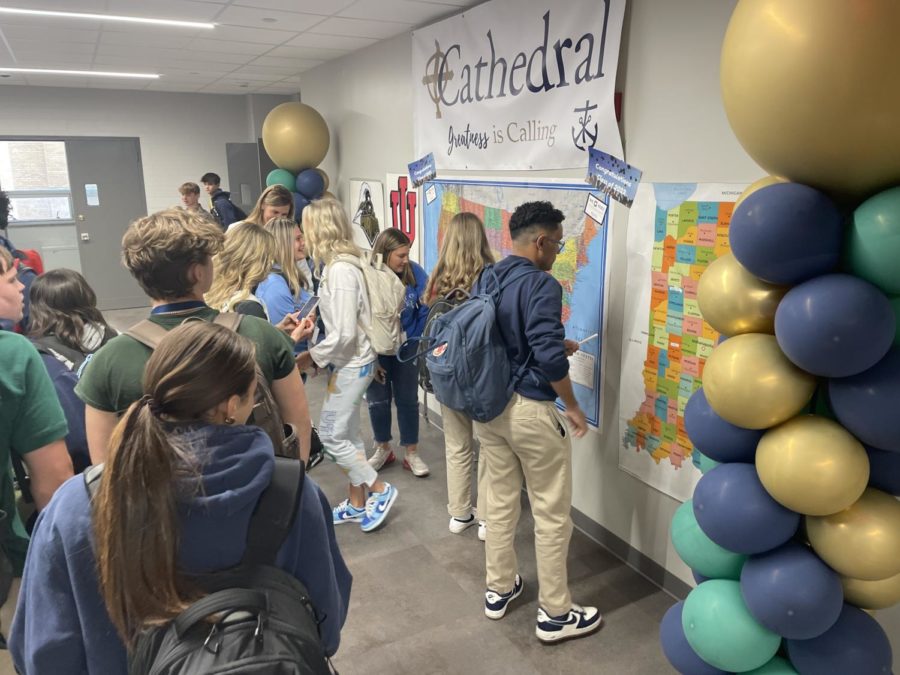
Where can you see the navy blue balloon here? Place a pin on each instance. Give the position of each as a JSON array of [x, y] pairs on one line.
[[884, 470], [300, 203], [310, 184], [792, 592], [714, 437], [786, 233], [698, 578], [676, 648], [855, 644], [734, 510], [835, 325], [868, 404]]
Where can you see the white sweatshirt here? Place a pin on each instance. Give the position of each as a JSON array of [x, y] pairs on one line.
[[342, 302]]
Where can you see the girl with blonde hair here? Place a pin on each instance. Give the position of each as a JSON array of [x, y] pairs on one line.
[[176, 499], [244, 263], [276, 201], [464, 254], [401, 378], [348, 354]]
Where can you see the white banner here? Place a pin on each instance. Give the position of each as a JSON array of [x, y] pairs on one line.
[[518, 84]]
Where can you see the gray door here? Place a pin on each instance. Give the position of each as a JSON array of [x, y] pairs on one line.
[[107, 194]]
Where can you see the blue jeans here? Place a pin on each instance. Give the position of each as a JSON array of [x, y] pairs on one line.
[[339, 422], [401, 383]]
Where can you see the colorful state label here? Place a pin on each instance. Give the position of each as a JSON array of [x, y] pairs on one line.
[[687, 239]]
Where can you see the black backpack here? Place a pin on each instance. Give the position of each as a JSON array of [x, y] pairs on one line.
[[257, 618]]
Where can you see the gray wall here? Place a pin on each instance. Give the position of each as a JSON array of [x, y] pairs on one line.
[[674, 130]]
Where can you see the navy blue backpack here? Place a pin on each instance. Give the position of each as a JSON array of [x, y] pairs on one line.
[[467, 357]]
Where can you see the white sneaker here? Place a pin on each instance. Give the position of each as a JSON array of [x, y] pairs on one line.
[[412, 462], [482, 530], [381, 457], [577, 622], [460, 525]]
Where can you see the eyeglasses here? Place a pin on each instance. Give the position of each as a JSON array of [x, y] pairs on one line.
[[559, 243]]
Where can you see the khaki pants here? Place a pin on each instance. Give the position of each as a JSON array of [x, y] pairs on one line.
[[7, 611], [459, 448], [529, 440]]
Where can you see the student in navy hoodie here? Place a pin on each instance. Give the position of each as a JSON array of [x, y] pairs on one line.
[[401, 380], [183, 477]]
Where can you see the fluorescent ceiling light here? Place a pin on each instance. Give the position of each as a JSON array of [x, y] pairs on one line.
[[90, 73], [106, 17]]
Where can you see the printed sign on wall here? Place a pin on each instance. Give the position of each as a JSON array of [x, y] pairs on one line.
[[518, 84]]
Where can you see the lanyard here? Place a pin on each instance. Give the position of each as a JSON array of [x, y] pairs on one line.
[[178, 307]]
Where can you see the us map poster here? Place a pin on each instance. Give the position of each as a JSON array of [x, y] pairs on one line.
[[675, 230]]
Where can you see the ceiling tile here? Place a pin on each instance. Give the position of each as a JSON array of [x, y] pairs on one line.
[[62, 50], [346, 43], [254, 18], [62, 5], [282, 62], [458, 3], [49, 33], [323, 7], [180, 10], [378, 30], [244, 34], [248, 48], [174, 41], [402, 11], [12, 78], [316, 53]]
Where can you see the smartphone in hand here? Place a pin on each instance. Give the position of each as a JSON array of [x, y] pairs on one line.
[[308, 307]]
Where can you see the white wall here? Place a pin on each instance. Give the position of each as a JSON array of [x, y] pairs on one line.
[[182, 135], [674, 129]]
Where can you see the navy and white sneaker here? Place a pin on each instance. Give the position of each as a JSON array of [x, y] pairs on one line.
[[377, 506], [577, 622], [345, 512], [495, 603]]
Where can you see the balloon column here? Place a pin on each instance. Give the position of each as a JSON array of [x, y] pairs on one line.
[[794, 528], [296, 138]]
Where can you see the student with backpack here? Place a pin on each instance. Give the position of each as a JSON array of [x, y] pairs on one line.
[[400, 377], [526, 437], [67, 328], [192, 516], [276, 201], [221, 207], [32, 428], [464, 253], [349, 352], [170, 254]]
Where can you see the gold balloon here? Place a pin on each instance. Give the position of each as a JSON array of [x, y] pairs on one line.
[[749, 382], [812, 465], [862, 542], [879, 594], [734, 301], [805, 90], [765, 181], [295, 136]]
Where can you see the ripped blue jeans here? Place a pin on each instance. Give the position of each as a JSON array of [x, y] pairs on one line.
[[339, 422]]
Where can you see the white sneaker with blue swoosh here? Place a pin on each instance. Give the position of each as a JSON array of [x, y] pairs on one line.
[[377, 506], [495, 603], [577, 622]]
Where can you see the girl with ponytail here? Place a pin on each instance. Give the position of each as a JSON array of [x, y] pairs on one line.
[[182, 479]]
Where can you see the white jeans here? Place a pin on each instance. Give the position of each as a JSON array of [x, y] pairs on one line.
[[339, 423]]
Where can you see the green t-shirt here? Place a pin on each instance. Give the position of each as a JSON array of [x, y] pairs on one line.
[[30, 418], [112, 380]]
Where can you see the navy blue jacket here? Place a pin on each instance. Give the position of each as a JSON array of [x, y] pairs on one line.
[[225, 211], [61, 621], [530, 320], [415, 313]]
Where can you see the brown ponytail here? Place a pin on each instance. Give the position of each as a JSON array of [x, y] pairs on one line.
[[194, 369]]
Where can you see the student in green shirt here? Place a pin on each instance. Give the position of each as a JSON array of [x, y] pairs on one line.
[[170, 255], [32, 425]]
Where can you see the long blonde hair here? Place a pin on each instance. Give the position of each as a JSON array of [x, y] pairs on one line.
[[327, 231], [283, 231], [464, 253], [244, 262], [274, 195]]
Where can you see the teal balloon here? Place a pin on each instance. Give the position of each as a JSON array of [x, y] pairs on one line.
[[895, 305], [698, 551], [719, 627], [873, 244], [777, 666], [281, 177], [703, 462]]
